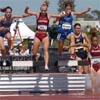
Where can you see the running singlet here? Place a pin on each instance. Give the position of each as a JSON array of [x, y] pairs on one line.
[[65, 24], [79, 39], [80, 51], [42, 26], [95, 51], [6, 23], [42, 23]]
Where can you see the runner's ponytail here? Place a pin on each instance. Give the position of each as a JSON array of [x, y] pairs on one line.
[[45, 3]]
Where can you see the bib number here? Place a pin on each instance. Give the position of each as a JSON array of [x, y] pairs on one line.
[[95, 60], [42, 27], [66, 26]]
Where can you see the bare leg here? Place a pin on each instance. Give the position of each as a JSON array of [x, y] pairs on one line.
[[3, 50], [35, 47], [8, 37], [70, 37], [60, 47], [46, 54], [86, 69], [93, 79], [98, 81], [80, 68]]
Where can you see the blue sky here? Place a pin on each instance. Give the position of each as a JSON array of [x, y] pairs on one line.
[[19, 5]]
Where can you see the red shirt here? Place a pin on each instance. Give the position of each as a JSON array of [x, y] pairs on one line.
[[42, 22], [95, 51]]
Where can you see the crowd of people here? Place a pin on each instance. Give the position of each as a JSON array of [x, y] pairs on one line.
[[80, 45]]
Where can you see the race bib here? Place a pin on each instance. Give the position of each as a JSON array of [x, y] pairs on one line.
[[42, 27], [66, 26], [95, 60]]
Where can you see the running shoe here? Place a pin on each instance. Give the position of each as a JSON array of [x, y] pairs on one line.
[[72, 57], [4, 63]]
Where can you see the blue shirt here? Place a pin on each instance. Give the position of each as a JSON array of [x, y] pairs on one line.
[[65, 24]]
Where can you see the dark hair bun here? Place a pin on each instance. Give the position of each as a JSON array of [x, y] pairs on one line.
[[93, 31]]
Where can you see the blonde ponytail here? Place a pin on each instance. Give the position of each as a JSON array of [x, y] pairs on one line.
[[46, 3]]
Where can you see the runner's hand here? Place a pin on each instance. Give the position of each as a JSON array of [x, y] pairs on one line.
[[65, 47], [89, 9]]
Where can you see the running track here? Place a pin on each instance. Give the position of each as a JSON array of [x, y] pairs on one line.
[[48, 98], [67, 96]]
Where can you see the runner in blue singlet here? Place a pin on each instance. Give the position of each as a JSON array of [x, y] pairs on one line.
[[66, 25]]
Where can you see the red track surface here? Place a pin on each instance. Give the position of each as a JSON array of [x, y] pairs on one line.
[[49, 98], [67, 96]]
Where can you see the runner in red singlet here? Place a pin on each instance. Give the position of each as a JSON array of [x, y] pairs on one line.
[[42, 30], [95, 64]]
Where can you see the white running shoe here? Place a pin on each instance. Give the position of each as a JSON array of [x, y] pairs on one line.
[[46, 68], [4, 63], [72, 57]]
